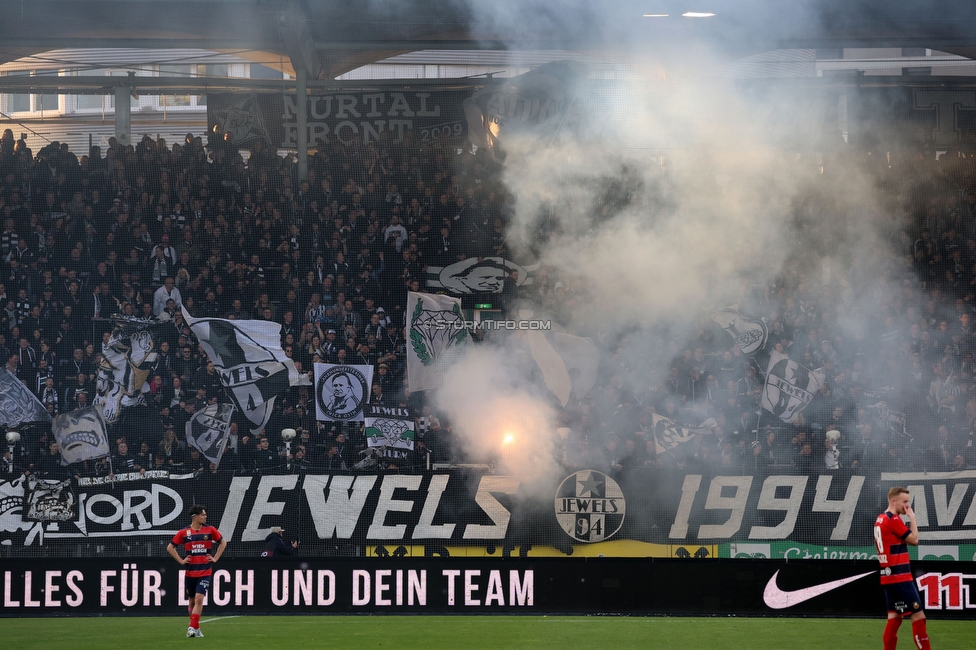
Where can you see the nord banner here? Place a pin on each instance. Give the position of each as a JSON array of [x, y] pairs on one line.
[[154, 586]]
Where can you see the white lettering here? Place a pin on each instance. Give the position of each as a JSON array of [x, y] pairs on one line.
[[845, 507], [736, 503], [360, 588], [451, 574], [337, 515], [281, 598], [521, 591], [105, 588], [77, 597], [417, 586], [496, 591], [499, 515], [242, 587], [790, 505], [324, 601], [679, 529], [7, 600], [382, 587], [50, 589], [470, 588], [303, 586], [378, 529], [220, 598], [265, 508]]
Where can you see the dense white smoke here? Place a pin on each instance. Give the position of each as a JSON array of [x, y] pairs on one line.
[[718, 209]]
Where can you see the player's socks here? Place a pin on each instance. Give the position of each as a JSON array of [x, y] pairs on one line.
[[891, 633], [920, 636], [195, 621]]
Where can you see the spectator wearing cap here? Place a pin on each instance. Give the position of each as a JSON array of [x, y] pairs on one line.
[[275, 546]]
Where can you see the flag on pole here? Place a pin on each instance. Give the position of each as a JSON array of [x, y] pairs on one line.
[[389, 427], [123, 373], [568, 363], [17, 404], [209, 431], [81, 435], [248, 357], [342, 392], [435, 328], [750, 334], [789, 386], [671, 436]]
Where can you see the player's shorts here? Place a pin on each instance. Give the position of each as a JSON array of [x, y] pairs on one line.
[[902, 597], [199, 585]]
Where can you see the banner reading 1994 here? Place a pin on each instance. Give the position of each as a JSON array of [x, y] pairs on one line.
[[647, 512]]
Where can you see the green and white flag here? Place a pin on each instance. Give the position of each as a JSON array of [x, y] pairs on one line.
[[388, 426], [435, 326]]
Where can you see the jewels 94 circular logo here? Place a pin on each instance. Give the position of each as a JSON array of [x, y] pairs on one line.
[[590, 506]]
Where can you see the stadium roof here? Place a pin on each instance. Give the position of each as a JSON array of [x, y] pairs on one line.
[[333, 37]]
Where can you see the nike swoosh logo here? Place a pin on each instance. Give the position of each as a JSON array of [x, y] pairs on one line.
[[776, 598]]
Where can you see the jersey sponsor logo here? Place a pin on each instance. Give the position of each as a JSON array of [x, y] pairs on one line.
[[776, 598]]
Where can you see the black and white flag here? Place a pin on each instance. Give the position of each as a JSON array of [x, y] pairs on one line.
[[789, 386], [671, 436], [46, 500], [248, 357], [17, 404], [81, 435], [342, 392], [750, 334], [123, 373], [209, 431]]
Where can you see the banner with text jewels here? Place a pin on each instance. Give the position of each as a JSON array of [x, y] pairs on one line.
[[471, 513]]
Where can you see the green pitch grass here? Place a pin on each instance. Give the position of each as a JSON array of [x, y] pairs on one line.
[[430, 632]]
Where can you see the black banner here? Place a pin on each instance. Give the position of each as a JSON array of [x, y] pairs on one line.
[[431, 117], [154, 586], [639, 512]]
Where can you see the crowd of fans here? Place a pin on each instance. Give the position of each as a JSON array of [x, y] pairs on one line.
[[138, 231]]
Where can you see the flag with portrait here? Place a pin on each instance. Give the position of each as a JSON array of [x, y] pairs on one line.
[[342, 392]]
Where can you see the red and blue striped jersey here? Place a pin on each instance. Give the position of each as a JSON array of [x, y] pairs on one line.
[[889, 536], [198, 544]]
